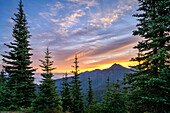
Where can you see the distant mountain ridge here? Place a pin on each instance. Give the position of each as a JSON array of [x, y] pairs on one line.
[[99, 78]]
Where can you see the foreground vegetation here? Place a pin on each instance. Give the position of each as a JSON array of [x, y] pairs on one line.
[[145, 90]]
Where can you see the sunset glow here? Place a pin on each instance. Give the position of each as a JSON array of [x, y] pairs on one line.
[[99, 32]]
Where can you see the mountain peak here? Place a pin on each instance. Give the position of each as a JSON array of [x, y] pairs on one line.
[[115, 66]]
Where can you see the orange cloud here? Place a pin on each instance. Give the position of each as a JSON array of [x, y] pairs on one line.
[[123, 47], [79, 54], [105, 55]]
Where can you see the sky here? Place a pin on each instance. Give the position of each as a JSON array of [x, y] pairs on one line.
[[99, 32]]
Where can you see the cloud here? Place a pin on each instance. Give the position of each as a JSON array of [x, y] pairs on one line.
[[76, 30], [98, 31], [98, 47], [109, 17], [45, 15], [38, 25], [118, 54], [54, 20], [11, 21], [59, 5], [33, 28], [128, 2], [115, 46], [81, 27], [88, 3], [56, 6], [80, 53], [76, 19], [63, 24], [72, 19], [52, 11]]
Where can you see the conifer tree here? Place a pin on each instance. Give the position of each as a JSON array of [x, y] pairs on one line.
[[106, 97], [3, 92], [47, 96], [113, 101], [18, 63], [6, 101], [151, 80], [92, 104], [90, 92], [125, 93], [66, 95], [117, 102], [2, 78], [76, 90], [94, 107]]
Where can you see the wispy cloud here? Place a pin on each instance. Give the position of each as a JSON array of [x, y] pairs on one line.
[[109, 17], [72, 19], [80, 54], [95, 30], [88, 3]]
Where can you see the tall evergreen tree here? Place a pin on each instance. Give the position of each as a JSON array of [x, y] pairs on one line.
[[66, 95], [18, 62], [47, 96], [92, 104], [151, 80], [106, 97], [89, 92], [76, 90]]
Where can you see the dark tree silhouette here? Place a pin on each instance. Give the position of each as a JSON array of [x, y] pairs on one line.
[[151, 80], [89, 92], [76, 90], [47, 96], [66, 94], [18, 62]]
